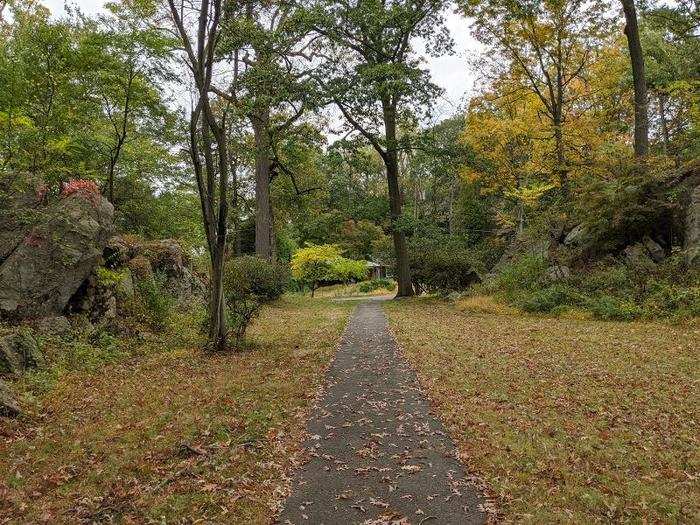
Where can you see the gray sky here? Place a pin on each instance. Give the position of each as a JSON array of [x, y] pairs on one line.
[[449, 72]]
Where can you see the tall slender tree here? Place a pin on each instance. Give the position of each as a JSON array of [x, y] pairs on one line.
[[641, 117], [270, 87], [373, 76], [208, 148]]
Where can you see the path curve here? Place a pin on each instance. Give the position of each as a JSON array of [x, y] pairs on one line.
[[377, 454]]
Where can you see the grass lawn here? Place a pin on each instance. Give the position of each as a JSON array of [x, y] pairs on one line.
[[173, 435], [565, 420]]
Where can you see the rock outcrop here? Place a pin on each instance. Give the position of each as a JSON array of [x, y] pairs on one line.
[[45, 264], [8, 404], [18, 352], [692, 229], [147, 259]]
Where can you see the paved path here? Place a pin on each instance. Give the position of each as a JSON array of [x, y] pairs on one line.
[[378, 456]]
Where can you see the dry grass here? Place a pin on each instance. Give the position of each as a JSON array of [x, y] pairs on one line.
[[173, 436], [565, 420], [484, 304], [350, 290]]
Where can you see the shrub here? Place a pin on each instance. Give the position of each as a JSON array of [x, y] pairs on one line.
[[249, 282], [666, 299], [346, 270], [152, 304], [324, 263], [611, 308], [549, 299], [441, 267], [525, 274]]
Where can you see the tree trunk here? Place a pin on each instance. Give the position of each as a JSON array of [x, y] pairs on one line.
[[217, 325], [403, 269], [561, 169], [661, 97], [110, 181], [264, 227], [641, 119]]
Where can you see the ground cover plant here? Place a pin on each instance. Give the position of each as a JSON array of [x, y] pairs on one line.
[[564, 420], [173, 432]]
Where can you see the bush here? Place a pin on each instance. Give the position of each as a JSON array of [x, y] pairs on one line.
[[611, 308], [549, 299], [666, 299], [151, 303], [523, 275], [441, 267], [375, 284], [346, 270], [249, 282], [324, 263]]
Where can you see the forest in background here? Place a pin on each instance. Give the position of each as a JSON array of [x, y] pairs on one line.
[[542, 188]]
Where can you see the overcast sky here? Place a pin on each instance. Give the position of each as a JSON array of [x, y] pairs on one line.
[[449, 72]]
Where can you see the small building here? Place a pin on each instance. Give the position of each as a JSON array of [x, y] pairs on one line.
[[377, 270]]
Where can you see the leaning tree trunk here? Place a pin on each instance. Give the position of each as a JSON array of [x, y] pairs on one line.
[[264, 227], [641, 119], [403, 268]]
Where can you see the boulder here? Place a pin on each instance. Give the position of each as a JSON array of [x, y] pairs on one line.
[[117, 252], [141, 269], [635, 253], [647, 251], [558, 272], [21, 196], [8, 405], [692, 229], [18, 352], [125, 287], [576, 236], [187, 287], [52, 260], [56, 325], [166, 256], [654, 249]]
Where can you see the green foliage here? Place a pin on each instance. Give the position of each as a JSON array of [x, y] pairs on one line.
[[346, 270], [250, 282], [151, 303], [438, 265], [312, 264], [612, 308], [325, 263], [524, 274], [610, 290], [108, 278], [375, 284], [548, 299]]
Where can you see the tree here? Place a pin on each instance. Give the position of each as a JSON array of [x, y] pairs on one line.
[[270, 87], [312, 264], [208, 147], [548, 46], [641, 119], [46, 113], [128, 58], [672, 72], [372, 75]]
